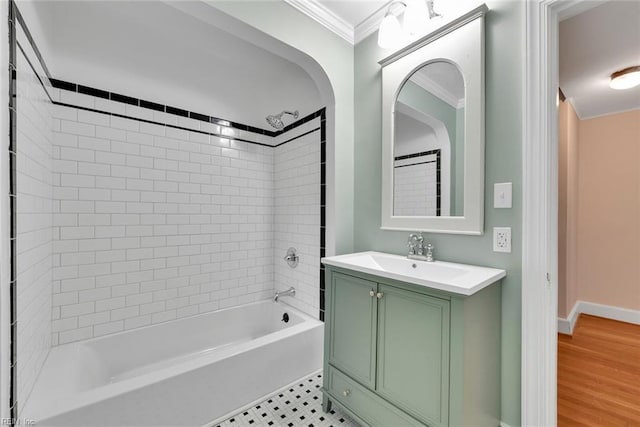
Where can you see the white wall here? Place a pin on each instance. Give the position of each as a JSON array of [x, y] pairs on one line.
[[34, 222]]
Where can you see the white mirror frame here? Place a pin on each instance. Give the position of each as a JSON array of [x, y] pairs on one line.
[[462, 42]]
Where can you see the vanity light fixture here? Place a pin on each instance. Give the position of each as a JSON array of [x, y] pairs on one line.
[[626, 78], [415, 13]]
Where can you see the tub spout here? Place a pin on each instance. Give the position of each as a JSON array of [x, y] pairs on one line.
[[289, 292]]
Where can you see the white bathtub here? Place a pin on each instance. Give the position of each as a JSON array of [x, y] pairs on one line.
[[185, 372]]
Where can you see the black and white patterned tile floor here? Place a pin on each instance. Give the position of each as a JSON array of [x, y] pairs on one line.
[[297, 406]]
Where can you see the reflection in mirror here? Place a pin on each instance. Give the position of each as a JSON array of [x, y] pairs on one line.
[[428, 143]]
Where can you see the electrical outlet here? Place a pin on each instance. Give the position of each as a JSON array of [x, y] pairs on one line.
[[502, 239]]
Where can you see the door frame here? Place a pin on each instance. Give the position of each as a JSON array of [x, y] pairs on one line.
[[540, 206]]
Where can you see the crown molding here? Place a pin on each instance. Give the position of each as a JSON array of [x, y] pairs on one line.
[[437, 90], [370, 25], [325, 17]]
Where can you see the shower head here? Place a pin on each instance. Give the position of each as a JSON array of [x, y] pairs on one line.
[[276, 121]]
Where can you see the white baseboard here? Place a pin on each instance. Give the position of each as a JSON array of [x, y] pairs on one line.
[[565, 326], [610, 312], [503, 424]]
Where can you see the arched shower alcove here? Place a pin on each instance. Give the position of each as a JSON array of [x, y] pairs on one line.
[[160, 195]]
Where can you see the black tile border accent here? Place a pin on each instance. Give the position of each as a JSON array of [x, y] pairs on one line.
[[177, 111], [439, 185], [93, 92], [414, 164], [100, 93], [421, 154], [438, 162], [323, 206], [59, 84], [151, 105], [124, 99], [13, 16], [219, 135]]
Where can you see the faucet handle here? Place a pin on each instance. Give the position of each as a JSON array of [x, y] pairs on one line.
[[420, 240], [411, 244], [429, 253]]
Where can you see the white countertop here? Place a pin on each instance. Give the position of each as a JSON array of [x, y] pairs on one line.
[[462, 279]]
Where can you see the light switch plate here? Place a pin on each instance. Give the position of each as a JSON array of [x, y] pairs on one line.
[[502, 195], [502, 239]]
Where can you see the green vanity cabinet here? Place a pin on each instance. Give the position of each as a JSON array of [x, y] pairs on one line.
[[413, 353], [398, 354], [353, 349]]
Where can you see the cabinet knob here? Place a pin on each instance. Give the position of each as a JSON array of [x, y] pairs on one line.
[[346, 393], [379, 295], [372, 293]]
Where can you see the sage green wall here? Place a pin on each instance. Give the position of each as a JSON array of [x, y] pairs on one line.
[[503, 152], [335, 56]]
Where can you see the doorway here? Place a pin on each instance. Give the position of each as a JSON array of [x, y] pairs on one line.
[[598, 218], [540, 226]]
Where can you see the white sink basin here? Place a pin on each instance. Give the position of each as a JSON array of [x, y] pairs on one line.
[[461, 279]]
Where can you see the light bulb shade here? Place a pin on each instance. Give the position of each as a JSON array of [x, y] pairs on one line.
[[625, 79], [390, 32], [416, 16]]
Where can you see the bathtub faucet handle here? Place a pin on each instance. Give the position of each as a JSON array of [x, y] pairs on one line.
[[292, 257]]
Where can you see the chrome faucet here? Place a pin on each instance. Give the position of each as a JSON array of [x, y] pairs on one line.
[[417, 248], [289, 292]]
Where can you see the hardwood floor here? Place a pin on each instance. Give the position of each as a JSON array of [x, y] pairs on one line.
[[599, 374]]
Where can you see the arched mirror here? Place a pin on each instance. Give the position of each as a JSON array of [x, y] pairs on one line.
[[433, 131], [428, 143]]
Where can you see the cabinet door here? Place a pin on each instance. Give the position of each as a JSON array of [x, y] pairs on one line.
[[352, 324], [413, 353]]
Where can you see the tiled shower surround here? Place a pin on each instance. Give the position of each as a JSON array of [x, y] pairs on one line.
[[154, 223], [127, 213], [297, 217], [34, 238]]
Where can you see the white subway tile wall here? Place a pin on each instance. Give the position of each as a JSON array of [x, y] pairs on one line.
[[415, 186], [34, 226], [297, 217], [154, 223]]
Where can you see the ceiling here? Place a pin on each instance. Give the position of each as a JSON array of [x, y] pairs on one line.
[[593, 45], [199, 66]]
